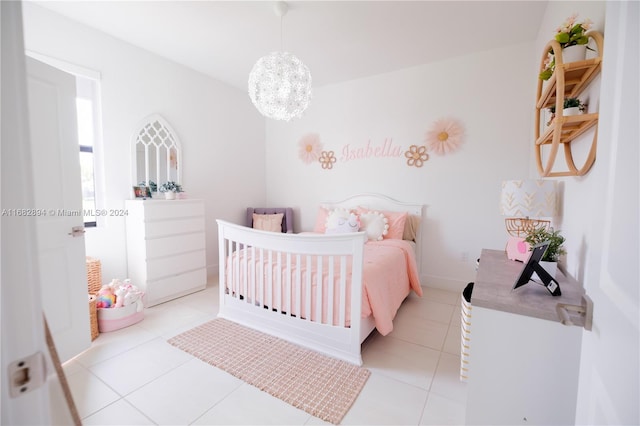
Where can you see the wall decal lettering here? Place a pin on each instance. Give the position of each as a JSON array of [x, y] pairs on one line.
[[371, 150]]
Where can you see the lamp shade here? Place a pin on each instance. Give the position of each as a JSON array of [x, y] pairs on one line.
[[280, 86], [529, 198]]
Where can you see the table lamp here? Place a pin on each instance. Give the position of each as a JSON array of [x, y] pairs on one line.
[[525, 202]]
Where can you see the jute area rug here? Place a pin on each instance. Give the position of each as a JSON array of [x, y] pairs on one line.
[[322, 386]]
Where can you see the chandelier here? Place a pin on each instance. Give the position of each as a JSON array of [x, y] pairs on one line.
[[279, 83]]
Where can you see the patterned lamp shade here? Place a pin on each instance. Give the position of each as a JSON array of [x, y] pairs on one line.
[[529, 198], [522, 199]]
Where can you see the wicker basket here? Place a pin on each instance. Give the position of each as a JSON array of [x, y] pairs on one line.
[[93, 317], [94, 275]]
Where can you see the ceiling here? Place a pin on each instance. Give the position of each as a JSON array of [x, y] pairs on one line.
[[337, 40]]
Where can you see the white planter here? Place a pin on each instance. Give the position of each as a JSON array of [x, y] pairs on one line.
[[550, 267], [574, 53], [170, 195], [571, 111]]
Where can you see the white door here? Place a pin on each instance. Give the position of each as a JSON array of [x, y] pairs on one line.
[[58, 193], [609, 373]]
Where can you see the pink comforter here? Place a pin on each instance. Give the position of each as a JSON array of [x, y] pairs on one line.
[[385, 286], [389, 275]]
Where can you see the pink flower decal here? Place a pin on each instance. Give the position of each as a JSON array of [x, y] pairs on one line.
[[445, 136], [310, 148]]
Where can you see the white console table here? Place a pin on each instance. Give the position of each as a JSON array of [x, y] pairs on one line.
[[166, 250], [523, 362]]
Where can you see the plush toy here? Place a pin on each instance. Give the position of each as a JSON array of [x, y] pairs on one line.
[[120, 297], [106, 297], [344, 225]]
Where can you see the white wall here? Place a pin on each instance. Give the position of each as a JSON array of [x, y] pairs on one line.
[[222, 135], [490, 93]]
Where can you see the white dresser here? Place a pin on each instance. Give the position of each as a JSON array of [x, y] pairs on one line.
[[166, 250], [523, 363]]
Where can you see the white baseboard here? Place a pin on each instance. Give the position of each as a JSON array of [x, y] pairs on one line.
[[442, 283]]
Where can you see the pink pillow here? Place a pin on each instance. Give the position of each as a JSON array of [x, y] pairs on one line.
[[396, 221], [321, 220]]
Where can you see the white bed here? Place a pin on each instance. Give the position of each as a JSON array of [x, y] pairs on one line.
[[264, 282]]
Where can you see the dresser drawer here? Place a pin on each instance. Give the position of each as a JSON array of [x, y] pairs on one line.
[[177, 244], [174, 227], [175, 286], [174, 209], [173, 265]]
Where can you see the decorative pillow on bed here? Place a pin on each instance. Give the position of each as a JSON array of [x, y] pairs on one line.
[[321, 220], [374, 224], [411, 227], [396, 222], [343, 225], [268, 222], [336, 217]]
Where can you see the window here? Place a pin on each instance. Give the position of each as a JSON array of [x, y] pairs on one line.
[[86, 110]]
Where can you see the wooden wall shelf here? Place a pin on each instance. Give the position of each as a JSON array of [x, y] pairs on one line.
[[568, 81]]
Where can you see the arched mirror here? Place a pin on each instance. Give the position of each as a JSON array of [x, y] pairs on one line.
[[156, 153]]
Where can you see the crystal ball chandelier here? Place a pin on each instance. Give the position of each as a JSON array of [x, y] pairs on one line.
[[279, 83]]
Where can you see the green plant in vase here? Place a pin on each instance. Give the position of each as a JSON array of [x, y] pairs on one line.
[[170, 189], [555, 249], [570, 33]]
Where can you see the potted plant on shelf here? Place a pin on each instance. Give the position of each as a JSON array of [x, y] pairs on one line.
[[152, 185], [170, 189], [571, 106], [573, 41], [554, 251]]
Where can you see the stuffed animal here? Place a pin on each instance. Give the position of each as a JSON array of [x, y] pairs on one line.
[[106, 297], [120, 293], [343, 225]]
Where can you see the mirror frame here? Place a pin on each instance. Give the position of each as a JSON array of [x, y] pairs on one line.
[[169, 141]]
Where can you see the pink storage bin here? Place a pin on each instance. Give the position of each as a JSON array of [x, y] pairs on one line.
[[110, 319]]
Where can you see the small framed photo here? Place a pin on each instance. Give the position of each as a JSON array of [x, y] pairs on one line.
[[143, 192]]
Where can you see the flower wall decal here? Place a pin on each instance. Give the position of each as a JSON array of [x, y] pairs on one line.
[[310, 148], [445, 136], [416, 156], [327, 158]]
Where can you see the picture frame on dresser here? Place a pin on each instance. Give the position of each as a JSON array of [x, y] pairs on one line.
[[141, 192]]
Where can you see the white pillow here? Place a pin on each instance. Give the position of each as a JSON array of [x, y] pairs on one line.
[[268, 222], [374, 224], [336, 217], [344, 225]]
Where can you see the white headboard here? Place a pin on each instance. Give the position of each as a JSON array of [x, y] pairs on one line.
[[373, 201]]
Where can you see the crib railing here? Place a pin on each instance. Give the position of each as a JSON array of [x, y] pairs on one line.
[[304, 288]]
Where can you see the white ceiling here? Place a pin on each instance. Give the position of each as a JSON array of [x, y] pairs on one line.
[[337, 40]]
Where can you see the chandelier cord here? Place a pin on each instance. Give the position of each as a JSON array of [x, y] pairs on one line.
[[281, 49]]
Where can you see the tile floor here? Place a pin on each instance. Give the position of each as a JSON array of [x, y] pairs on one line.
[[134, 377]]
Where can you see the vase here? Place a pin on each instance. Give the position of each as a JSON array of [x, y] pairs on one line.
[[550, 267], [577, 52], [571, 111], [170, 195]]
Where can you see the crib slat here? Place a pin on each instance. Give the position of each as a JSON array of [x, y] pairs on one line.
[[252, 274], [269, 277], [307, 295], [343, 291], [287, 290], [260, 273], [298, 286], [278, 303], [319, 286], [330, 291]]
